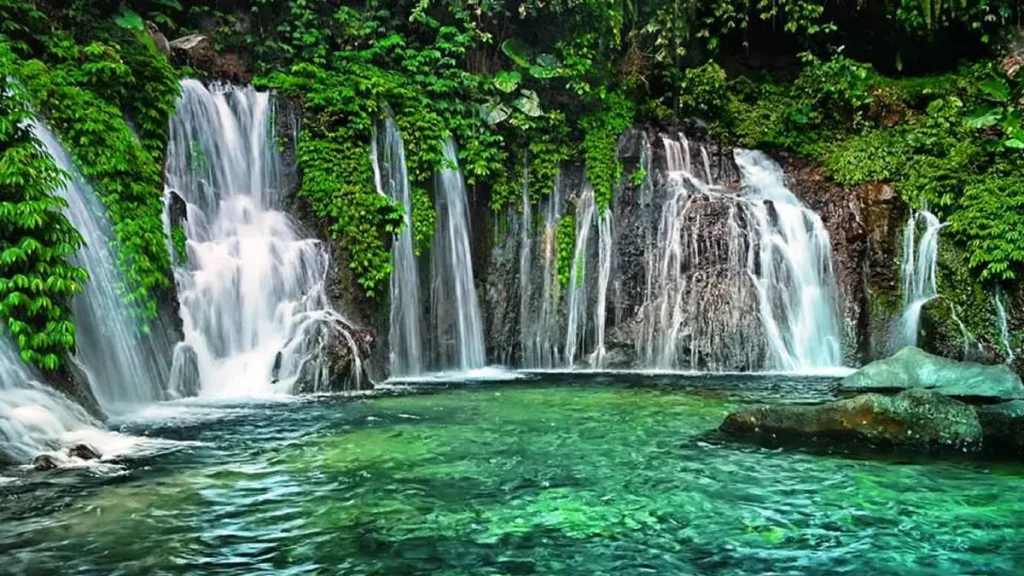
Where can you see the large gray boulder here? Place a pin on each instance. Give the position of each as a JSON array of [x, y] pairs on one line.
[[1003, 425], [913, 368], [915, 419]]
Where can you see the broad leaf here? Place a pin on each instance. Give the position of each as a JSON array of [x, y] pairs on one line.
[[996, 89], [543, 73], [985, 117], [547, 61], [129, 19], [518, 51], [494, 112], [507, 81], [528, 103], [1014, 143]]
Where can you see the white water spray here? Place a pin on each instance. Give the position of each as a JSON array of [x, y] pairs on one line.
[[605, 251], [455, 309], [254, 311], [920, 258], [541, 339]]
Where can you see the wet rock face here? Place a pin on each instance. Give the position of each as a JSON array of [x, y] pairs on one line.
[[913, 368], [1003, 425], [84, 452], [337, 364], [44, 463], [915, 419], [199, 51]]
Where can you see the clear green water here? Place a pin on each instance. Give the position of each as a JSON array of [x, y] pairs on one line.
[[517, 479]]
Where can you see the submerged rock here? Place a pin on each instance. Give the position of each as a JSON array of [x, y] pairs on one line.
[[84, 452], [915, 419], [913, 368], [45, 462], [1003, 426]]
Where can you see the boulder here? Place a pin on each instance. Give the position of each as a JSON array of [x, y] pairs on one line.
[[195, 50], [45, 462], [913, 368], [83, 452], [158, 38], [1003, 426], [336, 362], [914, 419]]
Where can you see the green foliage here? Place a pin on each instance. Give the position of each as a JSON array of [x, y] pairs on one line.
[[123, 173], [179, 240], [37, 280], [600, 150], [424, 220], [702, 91], [991, 219], [565, 246]]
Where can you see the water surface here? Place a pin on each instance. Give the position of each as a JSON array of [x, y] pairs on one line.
[[525, 478]]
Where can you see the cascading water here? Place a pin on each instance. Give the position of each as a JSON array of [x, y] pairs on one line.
[[576, 322], [125, 367], [392, 180], [796, 283], [541, 340], [605, 250], [736, 281], [920, 258], [525, 255], [1004, 329], [455, 310], [255, 315]]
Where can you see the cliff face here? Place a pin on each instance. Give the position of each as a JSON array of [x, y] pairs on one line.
[[720, 329]]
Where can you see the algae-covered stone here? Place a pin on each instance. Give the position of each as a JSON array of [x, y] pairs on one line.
[[1003, 425], [916, 419], [912, 368]]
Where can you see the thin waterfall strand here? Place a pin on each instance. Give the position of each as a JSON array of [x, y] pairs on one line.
[[455, 312], [125, 367], [920, 261], [392, 179]]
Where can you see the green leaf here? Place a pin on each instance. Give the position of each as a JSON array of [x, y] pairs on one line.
[[1014, 143], [507, 81], [985, 117], [494, 112], [528, 103], [547, 61], [129, 19], [518, 51], [996, 89]]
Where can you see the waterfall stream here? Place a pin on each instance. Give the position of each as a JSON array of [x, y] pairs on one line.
[[540, 322], [576, 317], [125, 366], [392, 180], [795, 279], [1004, 329], [455, 310], [736, 281], [255, 315], [920, 258]]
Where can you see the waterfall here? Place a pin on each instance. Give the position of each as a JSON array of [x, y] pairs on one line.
[[541, 338], [575, 332], [388, 155], [1004, 329], [125, 367], [255, 314], [920, 258], [455, 310], [605, 250], [525, 255], [735, 281], [796, 282]]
